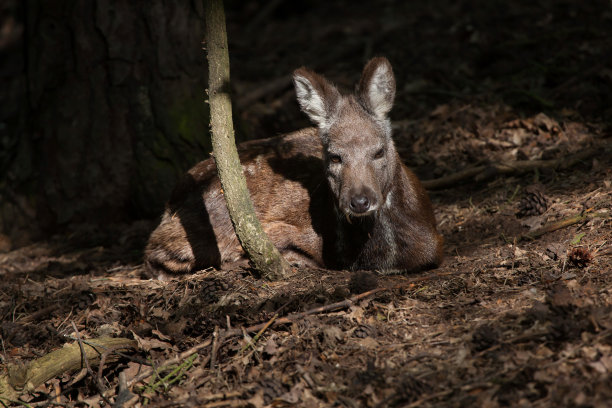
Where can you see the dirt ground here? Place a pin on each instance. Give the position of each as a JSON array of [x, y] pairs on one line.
[[519, 314]]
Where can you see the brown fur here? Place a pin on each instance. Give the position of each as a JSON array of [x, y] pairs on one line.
[[367, 211]]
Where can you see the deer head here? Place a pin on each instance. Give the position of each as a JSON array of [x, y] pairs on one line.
[[355, 131]]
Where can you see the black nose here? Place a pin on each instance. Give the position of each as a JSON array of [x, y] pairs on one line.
[[360, 203]]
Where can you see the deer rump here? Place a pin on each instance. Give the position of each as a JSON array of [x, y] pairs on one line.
[[335, 196]]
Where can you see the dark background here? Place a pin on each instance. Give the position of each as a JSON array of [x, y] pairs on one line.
[[103, 102], [103, 107]]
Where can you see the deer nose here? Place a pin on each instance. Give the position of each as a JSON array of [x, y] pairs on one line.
[[360, 203]]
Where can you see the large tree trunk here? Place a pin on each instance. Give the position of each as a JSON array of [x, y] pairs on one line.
[[260, 250], [102, 108]]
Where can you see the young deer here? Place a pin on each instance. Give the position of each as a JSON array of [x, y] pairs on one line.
[[335, 196]]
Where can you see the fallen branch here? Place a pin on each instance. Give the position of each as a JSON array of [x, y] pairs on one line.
[[557, 225], [485, 172], [20, 380]]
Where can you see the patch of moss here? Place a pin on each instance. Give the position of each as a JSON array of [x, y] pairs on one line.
[[189, 118]]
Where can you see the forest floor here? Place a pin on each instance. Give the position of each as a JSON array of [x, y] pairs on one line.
[[520, 312]]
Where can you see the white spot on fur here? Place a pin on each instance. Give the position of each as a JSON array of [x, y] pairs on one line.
[[250, 169], [388, 201]]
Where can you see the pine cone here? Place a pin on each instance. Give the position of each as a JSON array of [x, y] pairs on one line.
[[579, 257], [533, 203], [363, 331], [211, 289]]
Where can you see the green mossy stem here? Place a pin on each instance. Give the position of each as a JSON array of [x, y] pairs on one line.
[[258, 247]]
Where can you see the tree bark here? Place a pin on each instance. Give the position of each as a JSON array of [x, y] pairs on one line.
[[258, 247], [101, 110]]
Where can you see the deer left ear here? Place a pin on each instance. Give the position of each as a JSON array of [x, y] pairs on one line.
[[317, 97], [376, 88]]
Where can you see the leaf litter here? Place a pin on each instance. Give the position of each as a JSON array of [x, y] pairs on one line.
[[505, 321]]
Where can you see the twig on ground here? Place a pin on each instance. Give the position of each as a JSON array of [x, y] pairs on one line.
[[190, 400], [234, 403], [94, 376], [557, 225], [214, 348], [103, 361], [182, 356], [222, 395], [259, 333], [173, 376], [58, 391], [125, 398], [426, 398], [485, 172], [152, 370], [39, 313], [76, 378]]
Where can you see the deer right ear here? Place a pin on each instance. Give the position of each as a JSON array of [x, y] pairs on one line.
[[377, 87], [316, 96]]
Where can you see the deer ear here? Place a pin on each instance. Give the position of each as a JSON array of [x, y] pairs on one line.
[[376, 87], [316, 96]]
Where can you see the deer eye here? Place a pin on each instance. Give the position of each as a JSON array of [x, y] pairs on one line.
[[379, 154], [335, 158]]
